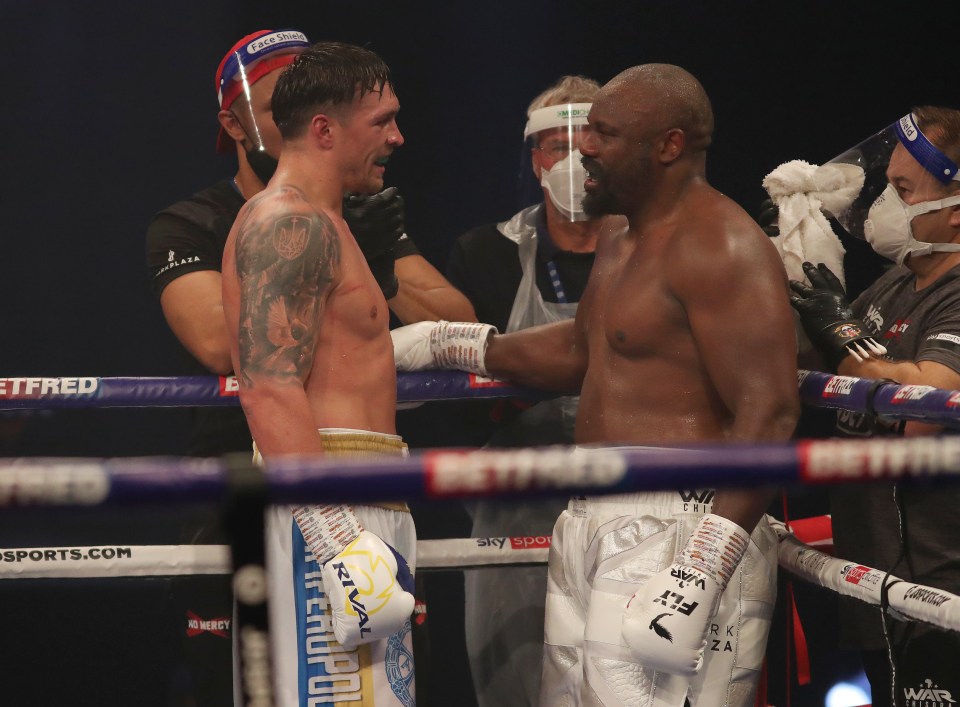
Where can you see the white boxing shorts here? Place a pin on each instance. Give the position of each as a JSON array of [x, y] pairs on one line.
[[603, 550], [310, 668]]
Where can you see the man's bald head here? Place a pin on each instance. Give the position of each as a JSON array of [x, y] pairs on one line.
[[663, 97]]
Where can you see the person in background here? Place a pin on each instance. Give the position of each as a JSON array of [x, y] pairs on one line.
[[528, 270], [905, 327]]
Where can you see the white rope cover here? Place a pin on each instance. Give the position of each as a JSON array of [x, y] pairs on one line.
[[907, 600]]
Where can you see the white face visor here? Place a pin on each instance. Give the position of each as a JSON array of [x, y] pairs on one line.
[[876, 213], [554, 134]]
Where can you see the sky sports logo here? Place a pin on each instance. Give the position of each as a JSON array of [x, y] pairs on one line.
[[49, 554]]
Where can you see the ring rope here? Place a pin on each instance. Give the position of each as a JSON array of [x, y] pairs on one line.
[[168, 560], [908, 601], [914, 402], [447, 474], [36, 393]]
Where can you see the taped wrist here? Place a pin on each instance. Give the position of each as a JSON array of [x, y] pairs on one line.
[[327, 529], [715, 548], [460, 345]]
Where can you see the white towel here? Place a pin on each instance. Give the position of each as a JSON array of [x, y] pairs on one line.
[[800, 190]]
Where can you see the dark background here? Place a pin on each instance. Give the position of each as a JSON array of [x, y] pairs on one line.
[[109, 114]]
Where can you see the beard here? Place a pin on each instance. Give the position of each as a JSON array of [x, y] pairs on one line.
[[599, 202], [605, 197]]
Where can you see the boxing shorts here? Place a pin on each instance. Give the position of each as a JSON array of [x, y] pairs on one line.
[[310, 667], [603, 550]]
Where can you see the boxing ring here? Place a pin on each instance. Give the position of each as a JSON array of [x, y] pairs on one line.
[[437, 475]]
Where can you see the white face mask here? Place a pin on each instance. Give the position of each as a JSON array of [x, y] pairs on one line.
[[564, 184], [887, 227]]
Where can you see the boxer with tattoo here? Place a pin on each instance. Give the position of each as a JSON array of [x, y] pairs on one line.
[[310, 344]]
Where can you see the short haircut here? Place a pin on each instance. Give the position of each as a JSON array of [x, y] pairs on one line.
[[325, 76], [567, 89]]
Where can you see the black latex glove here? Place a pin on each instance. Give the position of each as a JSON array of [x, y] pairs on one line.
[[768, 218], [377, 224], [827, 319]]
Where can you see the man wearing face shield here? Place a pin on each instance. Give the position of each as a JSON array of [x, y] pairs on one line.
[[523, 272], [185, 240], [908, 209]]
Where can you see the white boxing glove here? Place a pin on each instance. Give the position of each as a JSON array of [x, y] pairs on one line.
[[365, 586], [667, 621], [445, 345]]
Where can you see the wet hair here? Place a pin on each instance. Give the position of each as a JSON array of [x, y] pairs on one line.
[[326, 76], [942, 128], [567, 89], [680, 100]]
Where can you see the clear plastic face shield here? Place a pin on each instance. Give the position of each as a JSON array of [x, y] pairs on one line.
[[250, 59], [899, 158], [552, 157]]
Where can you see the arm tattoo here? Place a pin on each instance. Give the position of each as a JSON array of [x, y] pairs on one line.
[[288, 256]]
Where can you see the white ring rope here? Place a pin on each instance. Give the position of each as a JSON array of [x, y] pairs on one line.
[[907, 600], [168, 560]]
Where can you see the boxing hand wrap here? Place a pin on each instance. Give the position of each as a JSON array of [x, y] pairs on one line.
[[458, 346], [666, 623], [327, 529], [370, 590], [827, 319]]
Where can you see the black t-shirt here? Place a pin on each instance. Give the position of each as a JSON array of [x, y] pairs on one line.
[[189, 236], [485, 266], [914, 326]]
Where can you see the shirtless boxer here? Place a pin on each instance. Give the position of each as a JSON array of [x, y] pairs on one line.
[[310, 345], [684, 335]]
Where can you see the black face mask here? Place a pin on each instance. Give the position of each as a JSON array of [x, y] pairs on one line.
[[262, 164]]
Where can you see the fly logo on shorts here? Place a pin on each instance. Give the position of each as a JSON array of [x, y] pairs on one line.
[[927, 695]]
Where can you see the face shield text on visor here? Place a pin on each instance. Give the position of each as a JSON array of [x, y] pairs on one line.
[[553, 136], [249, 60], [877, 213]]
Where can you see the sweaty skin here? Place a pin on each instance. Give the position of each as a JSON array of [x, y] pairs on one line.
[[684, 333], [308, 325]]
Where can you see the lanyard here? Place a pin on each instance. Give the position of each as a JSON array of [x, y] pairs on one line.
[[555, 281]]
